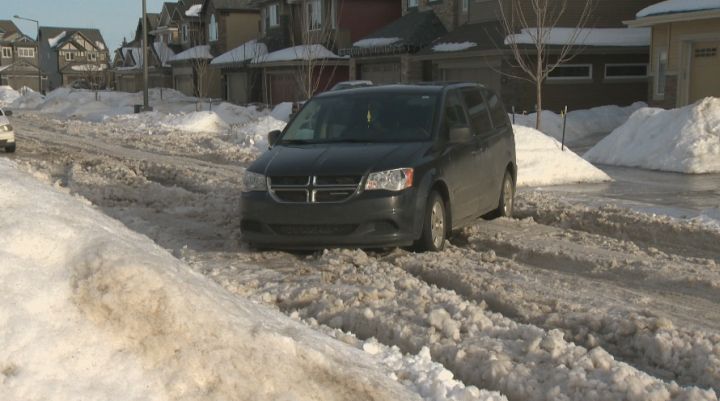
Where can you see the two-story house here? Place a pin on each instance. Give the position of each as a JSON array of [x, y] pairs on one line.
[[230, 25], [69, 54], [303, 38], [128, 64], [610, 66], [19, 57], [685, 51]]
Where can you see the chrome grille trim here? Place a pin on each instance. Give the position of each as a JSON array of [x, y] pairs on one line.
[[312, 188]]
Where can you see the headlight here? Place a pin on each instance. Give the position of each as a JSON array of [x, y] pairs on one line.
[[254, 182], [390, 180], [6, 128]]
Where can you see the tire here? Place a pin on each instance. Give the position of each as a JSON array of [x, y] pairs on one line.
[[10, 148], [435, 225], [506, 203]]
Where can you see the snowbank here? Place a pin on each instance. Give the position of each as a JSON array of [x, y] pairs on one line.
[[542, 162], [7, 95], [685, 140], [581, 123], [92, 310]]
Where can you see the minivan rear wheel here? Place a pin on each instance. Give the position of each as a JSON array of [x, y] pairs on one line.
[[435, 225], [506, 204]]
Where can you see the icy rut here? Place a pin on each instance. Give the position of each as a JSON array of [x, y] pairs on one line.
[[504, 320]]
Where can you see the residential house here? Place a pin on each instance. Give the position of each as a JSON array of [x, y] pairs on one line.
[[303, 38], [386, 54], [230, 25], [610, 66], [19, 56], [69, 54], [684, 53], [190, 66], [128, 64]]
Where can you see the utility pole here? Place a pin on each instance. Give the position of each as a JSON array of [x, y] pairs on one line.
[[37, 25], [146, 105]]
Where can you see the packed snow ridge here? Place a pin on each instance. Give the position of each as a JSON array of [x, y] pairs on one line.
[[685, 140]]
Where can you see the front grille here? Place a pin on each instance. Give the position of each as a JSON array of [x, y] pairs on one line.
[[313, 229], [314, 189]]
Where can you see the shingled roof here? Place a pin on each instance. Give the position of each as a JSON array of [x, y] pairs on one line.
[[413, 31]]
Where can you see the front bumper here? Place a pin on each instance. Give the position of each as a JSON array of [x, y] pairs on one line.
[[371, 219]]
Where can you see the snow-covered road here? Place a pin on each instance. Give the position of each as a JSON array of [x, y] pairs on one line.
[[570, 302]]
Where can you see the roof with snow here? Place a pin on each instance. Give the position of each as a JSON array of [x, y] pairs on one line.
[[241, 54], [468, 37], [302, 52], [193, 53], [598, 37], [408, 34], [7, 28], [234, 4], [57, 36], [678, 6]]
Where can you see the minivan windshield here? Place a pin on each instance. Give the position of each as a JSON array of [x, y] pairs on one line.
[[364, 117]]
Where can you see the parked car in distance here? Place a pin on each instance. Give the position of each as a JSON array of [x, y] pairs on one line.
[[7, 134], [350, 85], [382, 166]]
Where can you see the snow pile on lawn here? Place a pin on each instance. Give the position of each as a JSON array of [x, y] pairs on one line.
[[542, 162], [7, 95], [581, 123], [92, 310], [685, 140], [678, 6]]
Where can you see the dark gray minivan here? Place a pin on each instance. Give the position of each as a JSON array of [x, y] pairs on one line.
[[393, 165]]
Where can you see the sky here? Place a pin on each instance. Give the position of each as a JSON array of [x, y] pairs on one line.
[[115, 18]]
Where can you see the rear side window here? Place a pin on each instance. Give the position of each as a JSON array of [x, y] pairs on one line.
[[454, 111], [497, 111], [477, 110]]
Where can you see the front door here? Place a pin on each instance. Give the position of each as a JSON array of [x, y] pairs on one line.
[[704, 67]]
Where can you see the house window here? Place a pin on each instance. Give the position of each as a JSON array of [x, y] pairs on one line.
[[314, 15], [333, 14], [706, 52], [615, 71], [465, 6], [69, 56], [412, 3], [27, 52], [185, 33], [7, 52], [213, 29], [272, 15], [92, 56], [571, 72], [660, 73]]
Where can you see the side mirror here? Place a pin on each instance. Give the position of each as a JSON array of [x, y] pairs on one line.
[[8, 113], [460, 134], [273, 137]]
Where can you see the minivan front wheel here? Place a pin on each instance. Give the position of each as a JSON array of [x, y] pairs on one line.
[[435, 225]]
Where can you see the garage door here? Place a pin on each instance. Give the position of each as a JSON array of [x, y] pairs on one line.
[[485, 76], [705, 65], [381, 73], [184, 84], [237, 87], [282, 88]]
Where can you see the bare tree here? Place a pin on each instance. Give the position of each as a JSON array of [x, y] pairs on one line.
[[200, 60], [529, 26], [317, 34]]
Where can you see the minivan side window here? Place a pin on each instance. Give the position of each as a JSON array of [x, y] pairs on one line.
[[497, 111], [454, 112], [478, 111]]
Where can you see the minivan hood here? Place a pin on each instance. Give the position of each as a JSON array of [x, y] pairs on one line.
[[338, 158]]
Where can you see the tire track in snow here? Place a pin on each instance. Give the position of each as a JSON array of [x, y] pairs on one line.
[[650, 232], [374, 297], [591, 312]]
